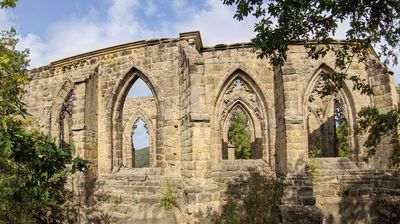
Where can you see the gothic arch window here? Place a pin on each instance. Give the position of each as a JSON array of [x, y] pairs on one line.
[[239, 135], [140, 144], [65, 121], [139, 115], [241, 117], [328, 124]]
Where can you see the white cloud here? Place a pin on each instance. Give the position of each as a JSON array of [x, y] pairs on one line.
[[183, 8], [79, 35], [217, 25], [5, 19], [151, 9], [34, 44]]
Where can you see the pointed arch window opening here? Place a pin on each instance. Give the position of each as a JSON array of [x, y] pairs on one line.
[[140, 139], [241, 98], [140, 144], [330, 138], [65, 122], [139, 89], [239, 134], [341, 130]]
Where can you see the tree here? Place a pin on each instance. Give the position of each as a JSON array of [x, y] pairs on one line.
[[32, 166], [239, 135], [313, 23], [8, 3]]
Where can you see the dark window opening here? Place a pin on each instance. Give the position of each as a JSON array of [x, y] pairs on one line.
[[66, 122]]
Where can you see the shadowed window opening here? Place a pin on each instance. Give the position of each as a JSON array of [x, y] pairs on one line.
[[140, 145], [66, 122], [341, 131], [327, 128]]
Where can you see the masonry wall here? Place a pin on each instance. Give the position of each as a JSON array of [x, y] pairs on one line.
[[195, 89]]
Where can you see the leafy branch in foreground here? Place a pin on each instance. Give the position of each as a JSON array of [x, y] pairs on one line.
[[32, 166], [8, 3], [380, 125], [313, 23]]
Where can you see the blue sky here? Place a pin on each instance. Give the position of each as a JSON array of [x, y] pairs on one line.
[[55, 29]]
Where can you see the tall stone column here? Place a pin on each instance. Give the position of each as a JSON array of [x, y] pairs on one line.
[[200, 192], [292, 144], [292, 137]]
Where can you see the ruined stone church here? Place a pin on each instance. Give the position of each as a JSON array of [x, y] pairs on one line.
[[82, 102]]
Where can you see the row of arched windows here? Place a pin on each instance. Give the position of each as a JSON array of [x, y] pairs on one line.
[[242, 123]]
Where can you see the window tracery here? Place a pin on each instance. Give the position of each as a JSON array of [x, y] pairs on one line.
[[65, 121]]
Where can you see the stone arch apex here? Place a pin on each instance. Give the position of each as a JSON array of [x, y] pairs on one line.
[[314, 78], [247, 91], [249, 114], [231, 74], [344, 91], [242, 73], [135, 117], [124, 83], [114, 108], [128, 155]]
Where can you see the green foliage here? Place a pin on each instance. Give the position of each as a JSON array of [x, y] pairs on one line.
[[385, 206], [261, 204], [313, 23], [8, 3], [230, 214], [32, 166], [312, 170], [13, 68], [239, 135], [344, 190], [314, 153], [342, 138], [169, 196], [378, 126]]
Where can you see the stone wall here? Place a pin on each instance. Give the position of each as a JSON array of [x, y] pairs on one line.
[[195, 91]]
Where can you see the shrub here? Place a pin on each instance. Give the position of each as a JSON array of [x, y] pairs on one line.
[[231, 214], [261, 204], [169, 196]]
